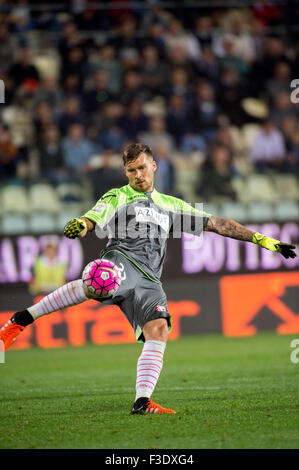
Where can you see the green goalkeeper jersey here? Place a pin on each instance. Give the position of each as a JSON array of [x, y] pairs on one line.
[[138, 224]]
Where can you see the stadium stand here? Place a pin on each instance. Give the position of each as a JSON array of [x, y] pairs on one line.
[[79, 87]]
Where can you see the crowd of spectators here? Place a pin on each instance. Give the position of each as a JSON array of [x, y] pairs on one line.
[[195, 72]]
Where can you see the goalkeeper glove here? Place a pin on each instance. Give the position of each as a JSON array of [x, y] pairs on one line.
[[274, 245], [74, 228]]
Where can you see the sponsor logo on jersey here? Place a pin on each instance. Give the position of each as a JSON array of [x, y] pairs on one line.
[[148, 214], [161, 308], [100, 207]]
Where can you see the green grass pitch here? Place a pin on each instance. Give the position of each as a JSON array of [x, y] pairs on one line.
[[229, 393]]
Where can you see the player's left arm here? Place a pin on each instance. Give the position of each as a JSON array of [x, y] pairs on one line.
[[231, 228]]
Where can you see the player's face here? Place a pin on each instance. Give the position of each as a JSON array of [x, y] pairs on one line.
[[140, 173]]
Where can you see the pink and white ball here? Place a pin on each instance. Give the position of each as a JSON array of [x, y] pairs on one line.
[[101, 278]]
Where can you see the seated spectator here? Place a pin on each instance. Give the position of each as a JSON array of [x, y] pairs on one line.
[[51, 156], [289, 129], [75, 64], [280, 82], [70, 38], [268, 150], [126, 38], [99, 94], [50, 92], [205, 111], [23, 70], [8, 155], [43, 118], [207, 66], [175, 36], [165, 173], [153, 71], [105, 173], [133, 121], [192, 143], [155, 37], [179, 84], [241, 41], [204, 31], [77, 150], [156, 133], [231, 60], [177, 117], [217, 174], [133, 88], [230, 94], [107, 61], [71, 113], [8, 47], [282, 107]]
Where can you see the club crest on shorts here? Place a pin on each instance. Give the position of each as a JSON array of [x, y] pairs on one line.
[[161, 308]]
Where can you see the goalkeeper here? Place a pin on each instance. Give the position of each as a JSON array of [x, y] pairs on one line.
[[138, 220]]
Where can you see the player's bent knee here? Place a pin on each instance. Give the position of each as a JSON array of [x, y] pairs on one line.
[[156, 330]]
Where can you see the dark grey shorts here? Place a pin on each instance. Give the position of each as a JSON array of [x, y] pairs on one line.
[[139, 298]]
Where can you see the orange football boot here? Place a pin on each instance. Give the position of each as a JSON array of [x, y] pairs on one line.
[[9, 332], [146, 405]]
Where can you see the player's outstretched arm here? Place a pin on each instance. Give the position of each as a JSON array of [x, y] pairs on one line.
[[231, 228], [78, 227]]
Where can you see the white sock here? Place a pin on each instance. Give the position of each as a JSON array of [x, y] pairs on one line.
[[65, 296], [149, 366]]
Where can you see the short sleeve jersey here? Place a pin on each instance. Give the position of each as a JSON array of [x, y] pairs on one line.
[[138, 224]]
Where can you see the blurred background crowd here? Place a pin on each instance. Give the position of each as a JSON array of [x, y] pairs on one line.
[[207, 87]]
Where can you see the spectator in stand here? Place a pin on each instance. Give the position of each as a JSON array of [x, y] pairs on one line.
[[242, 42], [177, 117], [126, 39], [205, 111], [133, 88], [8, 155], [50, 92], [262, 69], [230, 59], [179, 84], [107, 61], [208, 66], [289, 129], [176, 37], [157, 133], [43, 117], [77, 150], [165, 173], [217, 174], [231, 91], [51, 156], [71, 113], [8, 47], [283, 107], [23, 70], [155, 37], [99, 94], [70, 38], [75, 64], [204, 32], [153, 71], [105, 173], [134, 121], [280, 82], [268, 150]]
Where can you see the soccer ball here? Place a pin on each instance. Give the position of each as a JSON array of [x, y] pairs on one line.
[[101, 278]]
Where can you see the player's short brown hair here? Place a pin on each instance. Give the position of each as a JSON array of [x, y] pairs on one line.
[[132, 152]]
